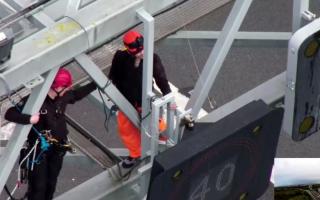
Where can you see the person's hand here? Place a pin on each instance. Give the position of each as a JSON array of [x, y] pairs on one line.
[[140, 55], [34, 118]]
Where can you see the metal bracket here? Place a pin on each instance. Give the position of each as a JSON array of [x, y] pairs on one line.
[[218, 55], [148, 24], [188, 121], [179, 127], [291, 85], [308, 16], [34, 82]]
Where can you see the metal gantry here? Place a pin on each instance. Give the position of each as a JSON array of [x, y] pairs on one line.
[[217, 55], [71, 33], [62, 39]]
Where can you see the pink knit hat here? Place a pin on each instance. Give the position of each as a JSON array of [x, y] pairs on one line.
[[62, 79]]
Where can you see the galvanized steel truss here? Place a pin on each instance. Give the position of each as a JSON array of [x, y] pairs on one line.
[[72, 32]]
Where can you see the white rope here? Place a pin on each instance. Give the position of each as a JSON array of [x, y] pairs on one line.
[[34, 156], [25, 158], [19, 169], [212, 105]]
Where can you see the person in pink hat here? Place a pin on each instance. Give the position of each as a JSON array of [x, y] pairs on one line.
[[50, 124]]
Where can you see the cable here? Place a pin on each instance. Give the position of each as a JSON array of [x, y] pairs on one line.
[[152, 99], [82, 27], [8, 192], [19, 172], [38, 159], [106, 85], [198, 71], [127, 175], [26, 157], [107, 119], [12, 192], [147, 115], [105, 110], [10, 195]]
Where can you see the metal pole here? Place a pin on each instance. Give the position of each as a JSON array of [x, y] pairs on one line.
[[241, 35], [170, 121], [148, 23], [299, 6], [147, 93], [217, 56], [154, 130], [165, 101], [271, 92], [33, 105]]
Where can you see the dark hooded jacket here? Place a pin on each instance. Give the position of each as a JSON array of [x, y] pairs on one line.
[[128, 78]]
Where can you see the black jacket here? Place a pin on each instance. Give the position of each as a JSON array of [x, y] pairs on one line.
[[51, 113], [128, 78]]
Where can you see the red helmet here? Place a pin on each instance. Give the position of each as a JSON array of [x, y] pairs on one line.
[[62, 79], [133, 41]]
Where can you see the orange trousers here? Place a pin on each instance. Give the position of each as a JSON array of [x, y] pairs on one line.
[[130, 134]]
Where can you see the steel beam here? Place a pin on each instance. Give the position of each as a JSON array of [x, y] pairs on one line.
[[148, 22], [43, 51], [242, 39], [270, 92], [147, 94], [95, 98], [165, 101], [154, 130], [217, 55], [67, 38], [33, 105], [243, 35], [108, 88], [299, 6], [103, 186]]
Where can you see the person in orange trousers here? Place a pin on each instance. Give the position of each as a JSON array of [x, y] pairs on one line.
[[130, 134], [126, 74]]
